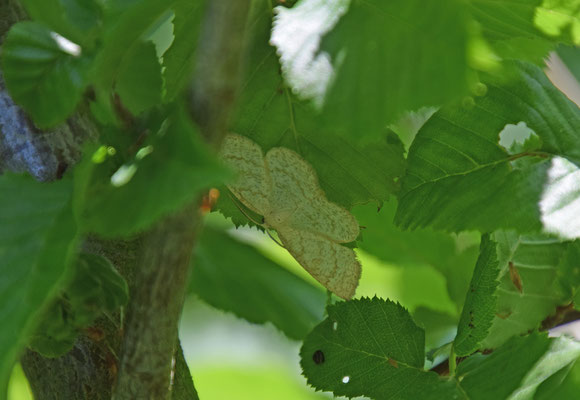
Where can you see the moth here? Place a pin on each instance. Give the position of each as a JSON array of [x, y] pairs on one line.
[[283, 188]]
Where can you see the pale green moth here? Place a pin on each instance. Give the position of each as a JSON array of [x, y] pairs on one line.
[[284, 189]]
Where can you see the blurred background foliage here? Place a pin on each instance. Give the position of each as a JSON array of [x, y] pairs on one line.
[[259, 361]]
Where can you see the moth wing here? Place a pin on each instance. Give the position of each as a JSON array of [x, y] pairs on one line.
[[333, 265], [295, 191], [252, 186]]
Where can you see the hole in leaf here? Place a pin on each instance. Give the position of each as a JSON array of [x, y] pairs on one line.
[[334, 326], [123, 175], [345, 379], [66, 45], [144, 152], [518, 138]]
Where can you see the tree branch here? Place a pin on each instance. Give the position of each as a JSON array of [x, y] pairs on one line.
[[213, 91], [155, 307], [161, 280]]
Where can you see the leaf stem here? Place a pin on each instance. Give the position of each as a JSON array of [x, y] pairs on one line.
[[452, 361]]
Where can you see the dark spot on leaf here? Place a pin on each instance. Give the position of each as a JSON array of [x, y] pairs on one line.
[[318, 357], [503, 314], [515, 277]]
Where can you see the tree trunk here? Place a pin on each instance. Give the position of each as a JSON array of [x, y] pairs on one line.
[[139, 358]]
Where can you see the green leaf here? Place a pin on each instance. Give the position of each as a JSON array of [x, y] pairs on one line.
[[381, 238], [139, 82], [37, 238], [439, 327], [390, 57], [269, 114], [94, 287], [232, 209], [563, 385], [458, 149], [526, 29], [170, 170], [529, 284], [371, 348], [571, 58], [78, 20], [178, 60], [480, 304], [568, 271], [254, 287], [97, 282], [515, 370], [54, 335], [42, 76], [130, 26]]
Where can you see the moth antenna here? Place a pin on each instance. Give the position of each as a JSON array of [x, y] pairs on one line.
[[274, 239], [242, 210], [253, 220]]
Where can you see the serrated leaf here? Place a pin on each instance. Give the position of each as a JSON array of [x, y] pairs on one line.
[[171, 169], [37, 237], [390, 57], [179, 58], [515, 370], [139, 82], [480, 304], [44, 77], [529, 289], [94, 287], [271, 116], [96, 278], [458, 149], [128, 27], [371, 348], [232, 209], [254, 287]]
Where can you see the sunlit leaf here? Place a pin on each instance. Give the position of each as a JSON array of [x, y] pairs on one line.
[[377, 77], [372, 348], [270, 115], [459, 148]]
